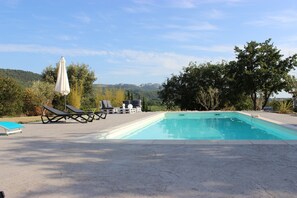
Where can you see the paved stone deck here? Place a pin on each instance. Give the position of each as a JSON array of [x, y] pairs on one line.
[[46, 161]]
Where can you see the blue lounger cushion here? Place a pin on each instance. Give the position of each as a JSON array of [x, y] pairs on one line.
[[11, 127]]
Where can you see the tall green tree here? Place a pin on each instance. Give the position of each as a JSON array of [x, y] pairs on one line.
[[260, 71], [81, 76], [10, 97], [49, 74], [170, 92], [188, 88]]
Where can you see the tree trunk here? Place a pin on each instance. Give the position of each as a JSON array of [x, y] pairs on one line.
[[254, 99], [266, 98]]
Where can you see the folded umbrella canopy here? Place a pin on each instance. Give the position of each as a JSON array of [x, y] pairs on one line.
[[62, 84]]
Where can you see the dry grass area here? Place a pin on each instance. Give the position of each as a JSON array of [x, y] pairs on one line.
[[24, 119]]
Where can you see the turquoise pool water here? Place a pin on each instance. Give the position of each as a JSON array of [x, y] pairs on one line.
[[211, 126]]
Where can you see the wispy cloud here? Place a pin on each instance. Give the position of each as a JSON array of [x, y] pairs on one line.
[[186, 26], [214, 48], [288, 45], [127, 65], [140, 6], [287, 49], [83, 18], [187, 4], [185, 32], [10, 3], [181, 36], [152, 63], [137, 9], [8, 48], [215, 14], [193, 27], [148, 5], [66, 38], [282, 18], [183, 3]]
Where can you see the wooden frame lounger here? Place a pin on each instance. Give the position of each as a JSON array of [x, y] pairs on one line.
[[97, 114], [58, 115], [11, 127]]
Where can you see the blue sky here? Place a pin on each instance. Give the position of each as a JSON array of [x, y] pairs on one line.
[[138, 41]]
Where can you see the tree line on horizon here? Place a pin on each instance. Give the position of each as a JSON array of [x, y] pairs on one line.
[[23, 92]]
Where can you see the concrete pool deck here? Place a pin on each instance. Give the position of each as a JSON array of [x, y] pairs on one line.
[[46, 160]]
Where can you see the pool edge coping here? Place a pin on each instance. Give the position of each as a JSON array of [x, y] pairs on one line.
[[289, 126]]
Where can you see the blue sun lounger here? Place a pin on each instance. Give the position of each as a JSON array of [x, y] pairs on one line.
[[10, 127]]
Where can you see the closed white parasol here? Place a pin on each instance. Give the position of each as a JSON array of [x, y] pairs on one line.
[[62, 84]]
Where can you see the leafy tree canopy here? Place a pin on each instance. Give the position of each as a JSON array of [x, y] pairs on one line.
[[10, 97], [184, 90], [260, 71], [81, 79]]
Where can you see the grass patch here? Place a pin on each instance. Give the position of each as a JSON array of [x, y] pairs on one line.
[[22, 120]]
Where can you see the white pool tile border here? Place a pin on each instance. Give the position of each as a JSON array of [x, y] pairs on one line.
[[115, 131], [268, 120], [122, 129], [197, 142]]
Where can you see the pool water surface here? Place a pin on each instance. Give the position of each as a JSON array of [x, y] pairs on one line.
[[209, 126]]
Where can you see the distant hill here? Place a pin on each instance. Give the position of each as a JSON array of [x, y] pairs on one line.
[[132, 87], [147, 90], [25, 78]]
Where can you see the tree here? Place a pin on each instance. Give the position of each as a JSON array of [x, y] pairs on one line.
[[182, 90], [81, 78], [209, 98], [81, 74], [119, 97], [78, 75], [49, 74], [40, 93], [10, 97], [260, 70], [170, 92]]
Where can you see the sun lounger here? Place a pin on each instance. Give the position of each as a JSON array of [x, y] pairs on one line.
[[11, 127], [127, 107], [107, 107], [95, 115], [127, 110], [137, 105], [268, 108], [58, 115]]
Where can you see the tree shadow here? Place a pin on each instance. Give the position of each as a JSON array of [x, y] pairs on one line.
[[72, 169]]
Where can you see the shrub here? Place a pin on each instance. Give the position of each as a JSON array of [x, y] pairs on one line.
[[116, 96], [30, 102], [40, 93], [285, 106], [75, 95], [274, 104]]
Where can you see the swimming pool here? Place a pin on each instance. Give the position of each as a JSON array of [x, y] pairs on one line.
[[205, 126]]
